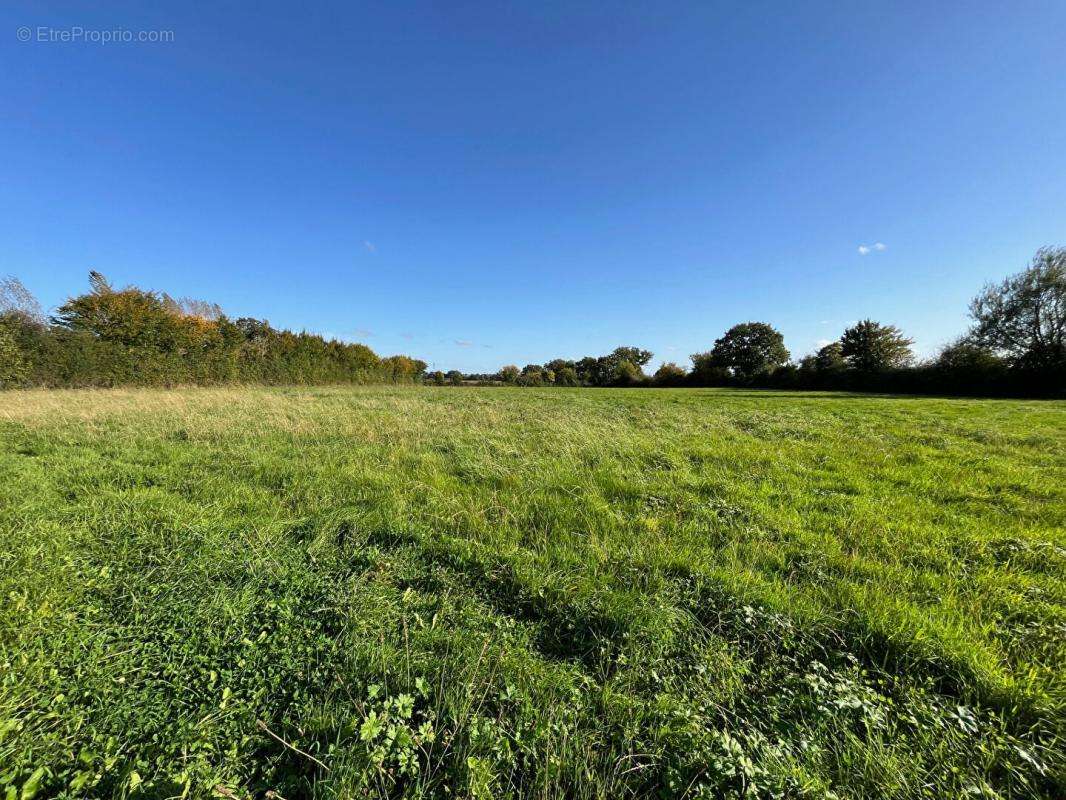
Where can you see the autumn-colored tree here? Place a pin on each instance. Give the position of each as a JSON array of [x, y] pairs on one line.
[[510, 374]]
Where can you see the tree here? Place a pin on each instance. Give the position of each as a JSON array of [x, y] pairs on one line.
[[829, 358], [532, 375], [594, 371], [750, 349], [608, 370], [626, 373], [191, 307], [437, 378], [669, 374], [397, 367], [964, 366], [1024, 317], [16, 301], [566, 376], [589, 370], [509, 374], [706, 371], [869, 346], [455, 377], [254, 328], [131, 317], [965, 355], [634, 355]]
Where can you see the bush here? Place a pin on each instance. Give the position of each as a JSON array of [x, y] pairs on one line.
[[13, 366], [110, 337]]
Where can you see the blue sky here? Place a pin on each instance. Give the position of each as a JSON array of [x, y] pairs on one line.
[[488, 183]]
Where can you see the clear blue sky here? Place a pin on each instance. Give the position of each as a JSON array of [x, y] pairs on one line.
[[486, 183]]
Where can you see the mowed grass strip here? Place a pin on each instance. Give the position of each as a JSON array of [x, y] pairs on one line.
[[417, 592]]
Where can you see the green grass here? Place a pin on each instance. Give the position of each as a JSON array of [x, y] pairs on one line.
[[514, 593]]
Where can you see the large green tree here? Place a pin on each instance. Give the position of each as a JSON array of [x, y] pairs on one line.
[[1024, 317], [637, 356], [750, 349], [869, 346]]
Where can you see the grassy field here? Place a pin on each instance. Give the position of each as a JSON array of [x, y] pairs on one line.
[[294, 593]]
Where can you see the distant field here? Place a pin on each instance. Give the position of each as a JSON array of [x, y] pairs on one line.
[[497, 593]]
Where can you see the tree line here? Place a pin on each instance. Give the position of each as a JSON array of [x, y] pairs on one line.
[[112, 337], [1016, 346]]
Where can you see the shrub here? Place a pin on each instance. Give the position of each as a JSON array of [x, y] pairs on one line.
[[108, 337], [13, 366]]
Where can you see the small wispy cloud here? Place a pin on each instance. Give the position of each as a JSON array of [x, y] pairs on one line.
[[866, 249], [407, 336], [370, 246], [463, 343], [363, 332]]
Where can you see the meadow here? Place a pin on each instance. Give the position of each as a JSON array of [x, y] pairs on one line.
[[517, 593]]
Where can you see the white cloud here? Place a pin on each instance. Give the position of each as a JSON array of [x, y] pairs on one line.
[[823, 342], [866, 249], [464, 343], [370, 246]]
